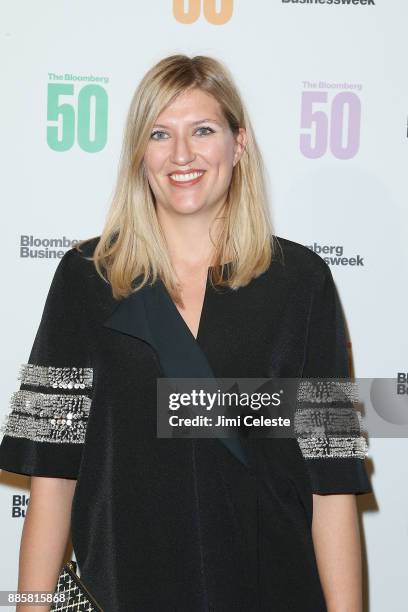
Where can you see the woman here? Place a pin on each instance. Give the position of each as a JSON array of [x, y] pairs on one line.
[[185, 524]]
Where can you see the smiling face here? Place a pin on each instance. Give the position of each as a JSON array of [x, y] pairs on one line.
[[191, 153]]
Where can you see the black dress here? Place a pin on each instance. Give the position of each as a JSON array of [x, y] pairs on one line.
[[178, 524]]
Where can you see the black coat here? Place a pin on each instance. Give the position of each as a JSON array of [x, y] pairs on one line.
[[179, 524]]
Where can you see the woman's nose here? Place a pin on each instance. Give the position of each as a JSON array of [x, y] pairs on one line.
[[182, 152]]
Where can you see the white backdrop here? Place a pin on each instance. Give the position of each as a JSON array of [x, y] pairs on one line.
[[325, 84]]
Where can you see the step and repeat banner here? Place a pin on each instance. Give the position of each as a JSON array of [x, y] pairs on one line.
[[326, 88]]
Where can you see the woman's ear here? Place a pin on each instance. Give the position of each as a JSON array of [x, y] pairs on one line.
[[241, 140]]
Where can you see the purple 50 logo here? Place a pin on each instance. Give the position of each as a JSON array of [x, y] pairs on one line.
[[335, 126]]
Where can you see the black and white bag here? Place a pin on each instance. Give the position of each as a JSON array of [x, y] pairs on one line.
[[76, 597]]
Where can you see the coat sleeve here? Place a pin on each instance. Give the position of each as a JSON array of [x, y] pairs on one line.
[[334, 449], [44, 430]]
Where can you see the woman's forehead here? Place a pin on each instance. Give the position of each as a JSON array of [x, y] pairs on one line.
[[191, 106]]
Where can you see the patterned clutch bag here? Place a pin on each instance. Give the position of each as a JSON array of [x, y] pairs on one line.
[[77, 598]]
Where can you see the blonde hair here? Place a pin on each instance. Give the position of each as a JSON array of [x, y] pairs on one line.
[[132, 244]]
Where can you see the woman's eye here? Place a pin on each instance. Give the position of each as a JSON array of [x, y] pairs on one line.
[[156, 135], [209, 130]]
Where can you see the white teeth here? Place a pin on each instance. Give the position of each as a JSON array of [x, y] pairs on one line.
[[182, 178]]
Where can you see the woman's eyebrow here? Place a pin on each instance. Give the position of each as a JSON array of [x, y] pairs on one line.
[[192, 123]]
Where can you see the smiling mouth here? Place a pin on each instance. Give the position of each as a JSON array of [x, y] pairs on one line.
[[186, 179]]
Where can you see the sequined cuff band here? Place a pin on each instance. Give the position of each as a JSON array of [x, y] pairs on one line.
[[47, 417], [57, 378], [316, 447]]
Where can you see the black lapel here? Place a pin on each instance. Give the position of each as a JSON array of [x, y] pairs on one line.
[[150, 314]]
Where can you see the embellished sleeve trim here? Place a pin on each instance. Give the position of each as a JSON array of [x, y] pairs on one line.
[[56, 378], [330, 436], [326, 447], [58, 413], [44, 417]]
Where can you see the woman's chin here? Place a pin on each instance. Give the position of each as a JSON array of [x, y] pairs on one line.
[[186, 208]]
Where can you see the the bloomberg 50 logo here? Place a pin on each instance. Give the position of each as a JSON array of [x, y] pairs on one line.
[[330, 120], [77, 111]]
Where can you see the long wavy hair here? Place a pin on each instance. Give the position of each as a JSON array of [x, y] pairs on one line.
[[132, 245]]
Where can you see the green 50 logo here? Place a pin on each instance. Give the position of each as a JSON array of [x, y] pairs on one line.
[[80, 117], [212, 15]]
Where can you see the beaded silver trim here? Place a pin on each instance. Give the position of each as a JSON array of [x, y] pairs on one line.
[[46, 417], [327, 390], [57, 378], [315, 447], [327, 420], [334, 420]]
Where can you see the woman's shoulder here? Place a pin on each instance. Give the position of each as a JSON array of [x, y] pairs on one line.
[[86, 247], [79, 256], [299, 260], [76, 270]]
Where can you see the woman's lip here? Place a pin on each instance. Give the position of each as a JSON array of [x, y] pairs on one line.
[[186, 171], [186, 183]]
